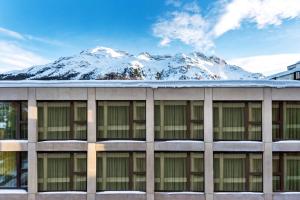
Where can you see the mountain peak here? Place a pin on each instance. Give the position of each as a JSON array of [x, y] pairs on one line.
[[109, 64]]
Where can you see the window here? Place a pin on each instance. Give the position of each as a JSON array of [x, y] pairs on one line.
[[237, 121], [238, 172], [13, 170], [62, 171], [178, 120], [121, 120], [286, 120], [65, 120], [286, 172], [121, 171], [13, 120], [180, 171]]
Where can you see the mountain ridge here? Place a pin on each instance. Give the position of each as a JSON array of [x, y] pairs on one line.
[[103, 63]]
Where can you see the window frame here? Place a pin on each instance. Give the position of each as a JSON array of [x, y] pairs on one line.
[[19, 171], [72, 172], [131, 120], [72, 120], [189, 172], [19, 121], [281, 171], [280, 121], [131, 169], [189, 121], [247, 121], [248, 172]]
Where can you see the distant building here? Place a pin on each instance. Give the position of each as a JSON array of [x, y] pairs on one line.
[[292, 73]]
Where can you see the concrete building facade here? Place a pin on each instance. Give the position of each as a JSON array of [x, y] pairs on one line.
[[208, 92]]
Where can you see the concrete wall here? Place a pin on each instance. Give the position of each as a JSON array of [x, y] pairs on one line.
[[91, 146]]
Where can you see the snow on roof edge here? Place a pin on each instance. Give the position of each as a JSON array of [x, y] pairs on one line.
[[150, 84]]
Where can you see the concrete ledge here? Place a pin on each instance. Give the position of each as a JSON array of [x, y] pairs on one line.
[[183, 145], [286, 196], [13, 194], [60, 145], [179, 196], [238, 196], [61, 93], [117, 145], [13, 145], [61, 196], [179, 94], [285, 94], [238, 146], [120, 93], [119, 195], [286, 146], [240, 94], [13, 94]]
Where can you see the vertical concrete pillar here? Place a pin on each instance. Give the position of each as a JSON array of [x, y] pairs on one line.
[[91, 137], [208, 144], [32, 139], [150, 144], [267, 140]]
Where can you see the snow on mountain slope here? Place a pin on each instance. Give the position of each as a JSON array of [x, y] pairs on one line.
[[104, 63]]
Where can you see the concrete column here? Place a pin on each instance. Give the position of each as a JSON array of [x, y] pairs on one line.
[[150, 145], [267, 140], [91, 154], [208, 142], [32, 139]]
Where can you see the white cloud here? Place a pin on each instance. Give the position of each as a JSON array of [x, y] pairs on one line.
[[11, 33], [266, 64], [175, 3], [13, 57], [187, 26], [20, 36], [261, 12]]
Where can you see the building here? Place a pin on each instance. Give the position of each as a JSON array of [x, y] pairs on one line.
[[292, 73], [139, 140]]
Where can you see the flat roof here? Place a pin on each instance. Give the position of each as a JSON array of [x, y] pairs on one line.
[[151, 84]]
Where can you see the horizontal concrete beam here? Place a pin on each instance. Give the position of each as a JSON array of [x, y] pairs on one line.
[[62, 146], [238, 94], [285, 94], [61, 195], [239, 196], [120, 196], [286, 196], [179, 196], [286, 146], [238, 146], [120, 93], [121, 146], [179, 146], [13, 94], [179, 94], [61, 93], [13, 145]]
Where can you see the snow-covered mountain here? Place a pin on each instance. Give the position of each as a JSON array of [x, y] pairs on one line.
[[104, 63]]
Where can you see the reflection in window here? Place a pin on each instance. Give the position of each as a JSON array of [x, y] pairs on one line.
[[13, 170], [13, 120]]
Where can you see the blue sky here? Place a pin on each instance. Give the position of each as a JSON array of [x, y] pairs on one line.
[[261, 36]]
